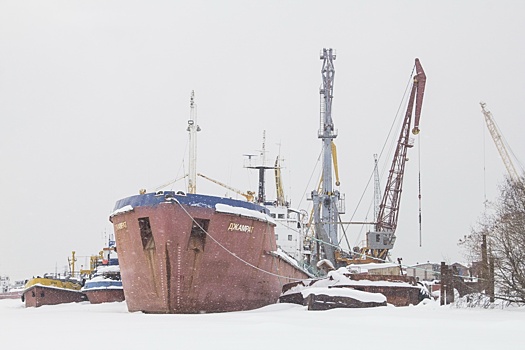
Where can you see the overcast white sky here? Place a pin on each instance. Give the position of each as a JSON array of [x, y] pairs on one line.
[[94, 102]]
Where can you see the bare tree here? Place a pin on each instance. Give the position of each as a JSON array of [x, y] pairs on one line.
[[504, 228], [508, 241]]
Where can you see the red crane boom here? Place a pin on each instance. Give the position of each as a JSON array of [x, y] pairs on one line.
[[382, 240]]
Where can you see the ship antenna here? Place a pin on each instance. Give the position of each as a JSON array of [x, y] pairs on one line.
[[193, 128]]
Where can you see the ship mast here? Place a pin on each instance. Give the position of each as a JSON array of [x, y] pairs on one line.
[[325, 201], [193, 128], [261, 196]]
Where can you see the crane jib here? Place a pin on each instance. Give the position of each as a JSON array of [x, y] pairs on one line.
[[419, 85], [383, 238]]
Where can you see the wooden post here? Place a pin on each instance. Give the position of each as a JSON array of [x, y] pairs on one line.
[[447, 285], [484, 264], [442, 291], [491, 279], [450, 285]]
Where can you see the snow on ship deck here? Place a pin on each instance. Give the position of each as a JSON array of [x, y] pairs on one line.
[[154, 199]]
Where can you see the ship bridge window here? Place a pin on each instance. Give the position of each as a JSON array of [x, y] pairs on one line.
[[198, 234], [146, 234], [280, 216], [272, 215]]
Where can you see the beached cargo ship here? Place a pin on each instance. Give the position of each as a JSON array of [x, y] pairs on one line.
[[105, 283], [50, 290], [11, 291], [192, 253]]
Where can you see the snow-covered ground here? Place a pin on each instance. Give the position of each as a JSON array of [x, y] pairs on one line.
[[279, 326]]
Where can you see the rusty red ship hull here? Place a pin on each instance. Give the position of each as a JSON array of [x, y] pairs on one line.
[[193, 253], [105, 286], [11, 294], [105, 295], [39, 295], [398, 290]]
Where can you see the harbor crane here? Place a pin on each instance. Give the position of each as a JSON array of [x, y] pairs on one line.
[[498, 140], [327, 201], [382, 239]]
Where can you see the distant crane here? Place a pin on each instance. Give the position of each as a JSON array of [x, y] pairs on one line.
[[498, 140]]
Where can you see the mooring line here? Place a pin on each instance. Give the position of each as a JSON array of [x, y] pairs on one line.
[[229, 251]]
